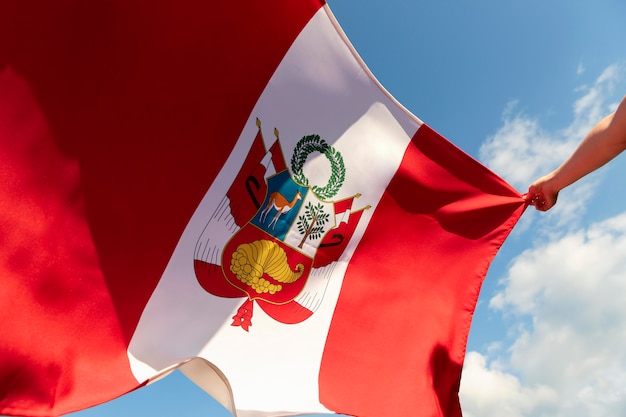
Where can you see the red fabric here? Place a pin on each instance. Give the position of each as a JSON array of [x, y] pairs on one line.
[[115, 117], [334, 242], [397, 340], [250, 178], [53, 291]]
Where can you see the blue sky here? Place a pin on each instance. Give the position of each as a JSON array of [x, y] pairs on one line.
[[516, 84]]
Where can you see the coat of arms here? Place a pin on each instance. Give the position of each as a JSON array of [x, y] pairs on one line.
[[273, 230]]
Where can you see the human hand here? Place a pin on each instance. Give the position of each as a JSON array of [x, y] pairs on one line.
[[541, 194]]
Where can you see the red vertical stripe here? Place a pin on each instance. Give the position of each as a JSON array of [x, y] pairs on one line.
[[61, 345], [397, 341], [125, 112]]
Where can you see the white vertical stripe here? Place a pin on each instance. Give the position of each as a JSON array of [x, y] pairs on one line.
[[321, 87]]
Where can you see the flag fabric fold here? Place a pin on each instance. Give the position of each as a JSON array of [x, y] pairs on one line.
[[227, 189]]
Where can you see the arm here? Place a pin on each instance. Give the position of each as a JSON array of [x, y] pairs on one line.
[[604, 142]]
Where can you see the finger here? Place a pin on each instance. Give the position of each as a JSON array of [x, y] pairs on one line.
[[539, 202], [536, 199]]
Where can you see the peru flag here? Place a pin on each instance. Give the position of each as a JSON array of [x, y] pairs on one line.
[[229, 191]]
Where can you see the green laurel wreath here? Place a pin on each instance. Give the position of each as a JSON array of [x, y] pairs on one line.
[[313, 143]]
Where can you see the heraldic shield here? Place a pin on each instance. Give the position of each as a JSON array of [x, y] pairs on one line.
[[272, 231], [270, 258], [267, 259]]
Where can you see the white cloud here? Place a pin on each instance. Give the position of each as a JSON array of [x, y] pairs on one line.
[[571, 361], [594, 104], [489, 392], [573, 289], [522, 150], [563, 296]]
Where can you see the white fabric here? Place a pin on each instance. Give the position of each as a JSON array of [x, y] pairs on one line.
[[321, 87]]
